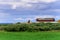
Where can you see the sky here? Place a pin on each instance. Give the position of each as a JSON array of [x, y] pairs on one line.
[[12, 11]]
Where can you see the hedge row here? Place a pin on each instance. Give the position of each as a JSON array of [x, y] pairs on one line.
[[31, 27]]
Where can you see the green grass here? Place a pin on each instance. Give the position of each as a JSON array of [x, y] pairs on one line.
[[29, 35]]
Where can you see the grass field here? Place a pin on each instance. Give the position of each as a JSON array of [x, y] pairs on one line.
[[29, 35]]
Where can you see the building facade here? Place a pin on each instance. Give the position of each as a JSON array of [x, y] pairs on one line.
[[45, 20]]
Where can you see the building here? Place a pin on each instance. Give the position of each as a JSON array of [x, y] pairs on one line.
[[45, 20]]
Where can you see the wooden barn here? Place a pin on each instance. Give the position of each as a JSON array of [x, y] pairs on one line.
[[45, 20]]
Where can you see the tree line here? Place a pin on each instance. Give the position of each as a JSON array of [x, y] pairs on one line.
[[30, 27]]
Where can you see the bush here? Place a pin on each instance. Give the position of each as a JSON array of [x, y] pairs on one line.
[[32, 27]]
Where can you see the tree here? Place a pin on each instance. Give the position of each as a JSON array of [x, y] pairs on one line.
[[28, 21], [18, 23], [58, 21]]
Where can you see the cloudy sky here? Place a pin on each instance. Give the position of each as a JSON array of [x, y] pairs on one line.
[[12, 11]]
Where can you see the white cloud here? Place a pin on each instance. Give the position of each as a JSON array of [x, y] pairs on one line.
[[24, 19], [58, 17], [23, 3], [36, 1], [48, 1], [18, 19], [7, 0], [45, 16], [14, 7], [36, 16], [56, 10], [29, 1], [29, 18], [4, 15]]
